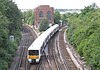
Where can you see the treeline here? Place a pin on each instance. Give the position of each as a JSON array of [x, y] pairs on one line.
[[10, 25], [28, 17], [84, 34]]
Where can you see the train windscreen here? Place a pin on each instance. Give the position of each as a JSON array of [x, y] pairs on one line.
[[33, 52]]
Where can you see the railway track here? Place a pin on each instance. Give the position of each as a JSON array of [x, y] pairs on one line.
[[27, 42], [56, 59], [29, 38], [43, 64], [52, 54], [58, 56], [46, 65], [20, 60], [67, 62]]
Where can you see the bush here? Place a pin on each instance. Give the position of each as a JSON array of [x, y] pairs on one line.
[[3, 65], [84, 33], [10, 24], [44, 25]]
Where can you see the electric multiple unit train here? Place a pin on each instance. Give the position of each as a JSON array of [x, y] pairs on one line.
[[35, 51]]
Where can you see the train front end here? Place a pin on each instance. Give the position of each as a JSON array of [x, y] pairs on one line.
[[33, 56]]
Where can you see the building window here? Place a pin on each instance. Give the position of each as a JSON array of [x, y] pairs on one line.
[[49, 15], [41, 14]]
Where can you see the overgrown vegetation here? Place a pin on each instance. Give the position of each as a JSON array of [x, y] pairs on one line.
[[84, 34], [44, 25], [10, 24], [63, 18], [57, 17], [28, 17]]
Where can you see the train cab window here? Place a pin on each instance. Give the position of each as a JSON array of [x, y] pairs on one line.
[[33, 52]]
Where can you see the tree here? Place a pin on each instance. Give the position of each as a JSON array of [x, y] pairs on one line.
[[90, 8], [64, 18], [3, 30], [57, 17], [10, 24], [28, 17], [15, 17], [84, 33], [44, 25]]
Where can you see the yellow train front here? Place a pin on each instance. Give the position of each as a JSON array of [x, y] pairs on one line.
[[33, 56]]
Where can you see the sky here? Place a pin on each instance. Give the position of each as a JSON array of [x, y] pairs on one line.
[[57, 4]]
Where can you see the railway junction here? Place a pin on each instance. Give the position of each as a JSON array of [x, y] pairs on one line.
[[56, 56]]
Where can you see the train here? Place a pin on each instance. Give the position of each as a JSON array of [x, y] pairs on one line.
[[36, 49]]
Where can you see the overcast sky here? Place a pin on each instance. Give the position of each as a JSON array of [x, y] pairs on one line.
[[64, 4]]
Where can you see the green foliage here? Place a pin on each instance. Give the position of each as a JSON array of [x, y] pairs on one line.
[[57, 17], [28, 17], [12, 47], [64, 18], [87, 9], [44, 25], [14, 16], [3, 29], [84, 33], [3, 65], [10, 24]]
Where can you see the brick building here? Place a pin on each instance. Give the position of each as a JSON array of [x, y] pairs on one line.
[[43, 12]]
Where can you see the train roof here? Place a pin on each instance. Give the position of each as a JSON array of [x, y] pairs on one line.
[[36, 45]]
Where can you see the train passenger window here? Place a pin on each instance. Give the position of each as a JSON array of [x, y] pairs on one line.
[[33, 52]]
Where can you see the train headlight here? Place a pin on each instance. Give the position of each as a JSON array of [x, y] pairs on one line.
[[37, 60], [30, 60]]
